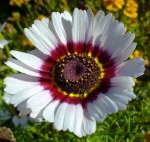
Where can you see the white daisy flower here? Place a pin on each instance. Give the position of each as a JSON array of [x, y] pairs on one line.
[[3, 42], [78, 74]]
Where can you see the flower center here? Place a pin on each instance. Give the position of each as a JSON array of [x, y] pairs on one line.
[[76, 74]]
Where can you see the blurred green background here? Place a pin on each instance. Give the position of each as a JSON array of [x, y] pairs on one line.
[[132, 125]]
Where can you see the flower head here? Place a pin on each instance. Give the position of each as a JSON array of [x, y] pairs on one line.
[[19, 2], [131, 9], [3, 42], [113, 5], [79, 72]]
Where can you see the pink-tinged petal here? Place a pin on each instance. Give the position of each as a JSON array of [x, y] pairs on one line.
[[134, 68]]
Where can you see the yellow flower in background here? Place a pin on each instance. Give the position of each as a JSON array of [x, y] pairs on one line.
[[40, 17], [19, 2], [113, 5], [138, 54], [26, 42], [131, 8]]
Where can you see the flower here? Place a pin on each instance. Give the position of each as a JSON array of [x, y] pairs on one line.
[[26, 42], [113, 5], [19, 2], [40, 17], [137, 54], [3, 42], [131, 9], [79, 72]]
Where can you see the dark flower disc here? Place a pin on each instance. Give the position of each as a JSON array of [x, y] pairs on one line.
[[76, 74]]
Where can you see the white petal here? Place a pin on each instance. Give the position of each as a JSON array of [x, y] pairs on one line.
[[97, 110], [123, 91], [60, 116], [78, 120], [18, 82], [109, 24], [118, 43], [89, 124], [109, 105], [19, 66], [29, 59], [119, 98], [34, 38], [99, 20], [21, 96], [82, 25], [43, 27], [39, 54], [37, 102], [69, 118], [22, 108], [49, 111], [134, 68], [3, 43], [122, 44], [131, 95], [63, 25], [7, 97], [122, 81], [121, 106], [124, 54]]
